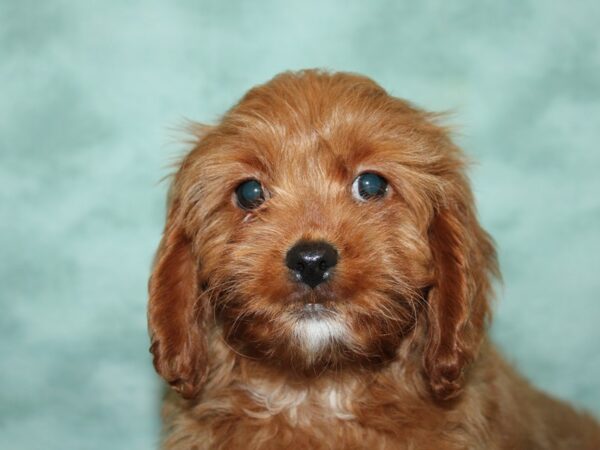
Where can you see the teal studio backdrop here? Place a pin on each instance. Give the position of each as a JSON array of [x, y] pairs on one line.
[[91, 96]]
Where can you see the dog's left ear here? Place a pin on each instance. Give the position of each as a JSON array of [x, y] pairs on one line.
[[175, 310], [459, 300]]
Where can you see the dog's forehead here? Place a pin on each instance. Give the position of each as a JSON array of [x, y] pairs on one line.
[[314, 128], [306, 123], [296, 152]]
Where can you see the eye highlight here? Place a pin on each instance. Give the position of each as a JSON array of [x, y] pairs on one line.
[[369, 186], [250, 194]]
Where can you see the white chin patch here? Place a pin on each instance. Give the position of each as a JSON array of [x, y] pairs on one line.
[[316, 334]]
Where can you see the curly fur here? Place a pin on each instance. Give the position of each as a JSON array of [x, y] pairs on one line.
[[401, 358]]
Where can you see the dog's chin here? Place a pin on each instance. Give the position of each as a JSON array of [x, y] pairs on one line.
[[304, 337], [310, 338], [318, 330]]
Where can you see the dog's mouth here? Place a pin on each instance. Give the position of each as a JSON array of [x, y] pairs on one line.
[[314, 311], [312, 306], [312, 302]]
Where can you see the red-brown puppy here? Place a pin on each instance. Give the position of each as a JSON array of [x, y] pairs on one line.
[[323, 282]]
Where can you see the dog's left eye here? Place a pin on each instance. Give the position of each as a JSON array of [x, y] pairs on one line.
[[250, 194], [369, 186]]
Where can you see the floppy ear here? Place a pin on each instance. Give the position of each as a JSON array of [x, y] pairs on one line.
[[458, 302], [175, 313]]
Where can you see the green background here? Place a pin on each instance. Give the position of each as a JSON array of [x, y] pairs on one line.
[[92, 95]]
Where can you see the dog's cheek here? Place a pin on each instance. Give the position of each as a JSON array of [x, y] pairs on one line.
[[212, 235], [406, 248], [387, 252], [377, 324], [261, 275]]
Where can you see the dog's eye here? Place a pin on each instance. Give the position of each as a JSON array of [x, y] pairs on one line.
[[250, 194], [369, 186]]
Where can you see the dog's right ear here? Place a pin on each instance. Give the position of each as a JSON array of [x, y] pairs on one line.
[[175, 314]]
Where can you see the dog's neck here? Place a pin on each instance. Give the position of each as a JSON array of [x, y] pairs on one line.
[[261, 392]]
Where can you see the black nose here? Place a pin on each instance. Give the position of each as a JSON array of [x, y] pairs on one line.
[[311, 262]]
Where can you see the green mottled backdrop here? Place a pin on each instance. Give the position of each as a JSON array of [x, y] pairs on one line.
[[92, 91]]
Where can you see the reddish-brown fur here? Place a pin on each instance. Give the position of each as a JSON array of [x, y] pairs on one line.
[[412, 287]]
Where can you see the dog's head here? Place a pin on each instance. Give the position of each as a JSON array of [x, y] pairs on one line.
[[320, 224]]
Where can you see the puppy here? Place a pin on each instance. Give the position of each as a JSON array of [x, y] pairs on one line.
[[323, 283]]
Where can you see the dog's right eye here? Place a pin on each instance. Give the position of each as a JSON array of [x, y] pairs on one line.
[[250, 194]]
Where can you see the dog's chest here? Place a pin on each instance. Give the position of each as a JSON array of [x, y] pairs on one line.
[[299, 406]]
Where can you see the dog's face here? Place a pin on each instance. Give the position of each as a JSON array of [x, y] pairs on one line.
[[320, 224]]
